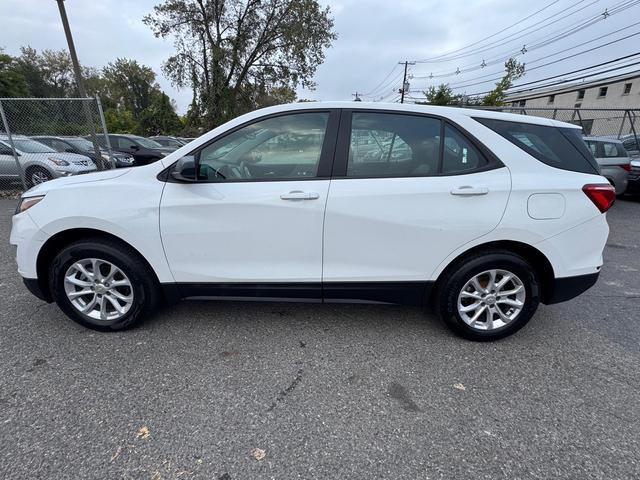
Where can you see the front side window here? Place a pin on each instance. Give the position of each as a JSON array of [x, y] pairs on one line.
[[393, 145], [278, 148], [125, 143], [459, 154]]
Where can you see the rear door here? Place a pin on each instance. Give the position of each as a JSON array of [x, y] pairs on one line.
[[407, 191], [8, 167], [251, 225]]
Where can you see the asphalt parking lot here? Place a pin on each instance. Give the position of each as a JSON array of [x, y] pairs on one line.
[[249, 391]]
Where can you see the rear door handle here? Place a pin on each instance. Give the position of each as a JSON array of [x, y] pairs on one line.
[[300, 195], [467, 190]]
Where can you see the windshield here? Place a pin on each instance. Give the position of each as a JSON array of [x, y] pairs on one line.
[[31, 146], [145, 142], [81, 144]]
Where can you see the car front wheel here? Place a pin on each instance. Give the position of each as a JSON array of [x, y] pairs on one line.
[[489, 296], [103, 285]]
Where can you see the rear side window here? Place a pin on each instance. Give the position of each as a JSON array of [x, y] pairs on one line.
[[561, 148], [611, 149]]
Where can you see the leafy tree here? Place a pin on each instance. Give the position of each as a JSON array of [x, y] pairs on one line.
[[443, 95], [12, 82], [160, 117], [120, 121], [513, 71], [225, 48], [130, 85]]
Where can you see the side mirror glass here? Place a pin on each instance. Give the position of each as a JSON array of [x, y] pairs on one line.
[[184, 170]]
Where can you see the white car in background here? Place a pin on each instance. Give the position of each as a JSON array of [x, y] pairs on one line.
[[481, 214], [39, 162]]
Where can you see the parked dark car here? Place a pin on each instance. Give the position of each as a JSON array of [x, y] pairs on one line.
[[167, 141], [630, 144], [84, 147], [143, 150], [633, 186]]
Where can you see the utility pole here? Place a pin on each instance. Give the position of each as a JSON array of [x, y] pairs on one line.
[[80, 83], [405, 84], [357, 95]]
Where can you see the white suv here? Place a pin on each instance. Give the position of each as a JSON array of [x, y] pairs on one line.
[[483, 215]]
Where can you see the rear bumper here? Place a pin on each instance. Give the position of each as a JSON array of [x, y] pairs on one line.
[[570, 287]]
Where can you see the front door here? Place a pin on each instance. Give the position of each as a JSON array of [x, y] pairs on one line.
[[408, 190], [251, 224]]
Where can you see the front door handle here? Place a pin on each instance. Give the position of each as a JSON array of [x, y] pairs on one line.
[[300, 195], [468, 190]]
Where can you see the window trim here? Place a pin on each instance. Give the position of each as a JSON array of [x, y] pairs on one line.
[[324, 163], [344, 140]]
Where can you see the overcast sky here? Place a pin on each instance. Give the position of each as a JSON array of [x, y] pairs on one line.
[[373, 36]]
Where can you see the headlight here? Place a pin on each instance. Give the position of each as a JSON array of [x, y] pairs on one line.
[[26, 203], [59, 161]]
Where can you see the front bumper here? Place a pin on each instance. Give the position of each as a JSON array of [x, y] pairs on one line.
[[570, 287], [33, 285]]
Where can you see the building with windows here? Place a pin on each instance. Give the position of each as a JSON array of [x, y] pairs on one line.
[[601, 103]]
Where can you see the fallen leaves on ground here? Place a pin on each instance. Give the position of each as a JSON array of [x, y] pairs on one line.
[[258, 453], [143, 433], [459, 386]]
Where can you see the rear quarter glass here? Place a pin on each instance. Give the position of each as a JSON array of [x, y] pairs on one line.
[[557, 147]]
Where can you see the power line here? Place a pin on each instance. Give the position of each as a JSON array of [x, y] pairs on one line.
[[510, 38], [457, 87], [382, 82], [620, 67], [455, 84], [561, 34], [491, 36]]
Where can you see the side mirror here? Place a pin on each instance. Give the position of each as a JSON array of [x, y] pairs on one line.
[[184, 170], [69, 150], [135, 147]]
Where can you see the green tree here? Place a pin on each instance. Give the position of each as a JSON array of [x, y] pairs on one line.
[[12, 82], [130, 85], [120, 121], [442, 95], [160, 117], [513, 71], [225, 48]]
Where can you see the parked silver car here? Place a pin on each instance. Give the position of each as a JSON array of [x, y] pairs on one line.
[[38, 161], [613, 160]]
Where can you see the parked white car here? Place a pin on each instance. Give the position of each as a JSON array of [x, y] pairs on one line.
[[482, 214], [39, 162]]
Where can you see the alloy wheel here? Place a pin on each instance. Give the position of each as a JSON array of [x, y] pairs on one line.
[[491, 299], [99, 289]]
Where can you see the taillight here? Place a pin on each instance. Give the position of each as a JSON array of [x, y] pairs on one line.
[[627, 167], [601, 194]]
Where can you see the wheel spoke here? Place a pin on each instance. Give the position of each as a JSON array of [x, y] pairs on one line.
[[477, 285], [78, 266], [120, 283], [76, 281], [469, 308], [503, 281], [89, 306], [120, 296], [511, 303], [119, 308], [103, 309], [513, 291], [492, 281], [489, 318], [95, 264], [80, 293], [473, 295], [478, 313], [503, 316]]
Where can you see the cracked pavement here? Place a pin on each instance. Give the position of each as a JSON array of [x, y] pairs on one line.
[[234, 391]]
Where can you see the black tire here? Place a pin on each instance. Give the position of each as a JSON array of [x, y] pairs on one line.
[[450, 286], [38, 170], [145, 285]]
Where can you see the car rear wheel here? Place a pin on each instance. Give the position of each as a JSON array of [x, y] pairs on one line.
[[489, 296], [103, 285]]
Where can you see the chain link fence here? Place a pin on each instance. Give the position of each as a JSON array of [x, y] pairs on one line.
[[622, 124], [46, 138]]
